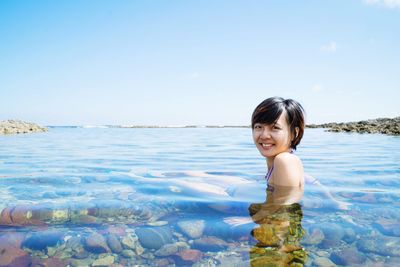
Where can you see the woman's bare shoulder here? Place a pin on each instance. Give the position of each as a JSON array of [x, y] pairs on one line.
[[288, 170]]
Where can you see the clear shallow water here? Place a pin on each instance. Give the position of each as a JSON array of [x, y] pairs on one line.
[[92, 197]]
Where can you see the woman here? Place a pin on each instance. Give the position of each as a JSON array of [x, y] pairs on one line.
[[277, 127]]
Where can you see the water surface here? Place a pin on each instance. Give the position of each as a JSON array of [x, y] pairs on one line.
[[194, 197]]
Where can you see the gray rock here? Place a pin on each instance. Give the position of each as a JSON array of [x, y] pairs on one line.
[[106, 261], [128, 242], [113, 243], [323, 262], [192, 228], [315, 237], [231, 260], [17, 126], [42, 240], [382, 245], [154, 237], [381, 125], [167, 250], [333, 235], [210, 243], [127, 253], [96, 243], [348, 257]]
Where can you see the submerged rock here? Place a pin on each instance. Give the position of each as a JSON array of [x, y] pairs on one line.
[[210, 243], [96, 243], [382, 245], [323, 262], [189, 256], [18, 126], [114, 243], [388, 226], [333, 234], [315, 237], [105, 261], [192, 228], [348, 257], [14, 239], [42, 240], [167, 250], [13, 256], [154, 237]]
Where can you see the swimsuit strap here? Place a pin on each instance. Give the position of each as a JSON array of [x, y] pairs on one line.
[[269, 173]]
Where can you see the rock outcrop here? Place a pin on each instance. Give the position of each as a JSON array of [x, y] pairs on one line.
[[382, 125], [17, 126]]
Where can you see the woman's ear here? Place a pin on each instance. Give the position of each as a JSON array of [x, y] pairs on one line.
[[297, 129]]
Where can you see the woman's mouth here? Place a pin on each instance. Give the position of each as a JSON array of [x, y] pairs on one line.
[[264, 145]]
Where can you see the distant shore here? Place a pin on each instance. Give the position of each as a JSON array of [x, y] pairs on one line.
[[382, 125], [18, 126], [389, 126]]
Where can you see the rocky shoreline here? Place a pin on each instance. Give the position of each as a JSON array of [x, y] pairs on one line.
[[18, 126], [390, 126]]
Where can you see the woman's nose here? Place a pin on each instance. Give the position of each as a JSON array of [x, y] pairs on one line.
[[266, 133]]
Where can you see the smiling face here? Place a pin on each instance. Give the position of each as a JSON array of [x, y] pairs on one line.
[[272, 139]]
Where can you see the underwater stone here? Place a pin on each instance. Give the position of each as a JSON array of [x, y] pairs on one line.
[[21, 215], [314, 238], [49, 262], [12, 256], [192, 228], [382, 245], [80, 253], [154, 237], [118, 230], [323, 262], [5, 216], [114, 243], [167, 250], [42, 212], [73, 242], [170, 249], [388, 226], [348, 257], [210, 243], [128, 242], [349, 235], [189, 255], [42, 240], [14, 239], [333, 235], [127, 253], [96, 243], [61, 215], [81, 262], [106, 261], [231, 260], [84, 219]]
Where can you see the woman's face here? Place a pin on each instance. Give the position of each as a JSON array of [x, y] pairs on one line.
[[272, 139]]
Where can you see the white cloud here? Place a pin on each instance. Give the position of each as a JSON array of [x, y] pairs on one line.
[[317, 88], [385, 3], [329, 48]]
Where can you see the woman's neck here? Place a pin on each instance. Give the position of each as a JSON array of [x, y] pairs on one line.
[[270, 162]]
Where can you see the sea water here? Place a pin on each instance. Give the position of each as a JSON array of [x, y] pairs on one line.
[[170, 197]]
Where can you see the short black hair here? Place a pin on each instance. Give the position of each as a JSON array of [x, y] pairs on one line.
[[270, 110]]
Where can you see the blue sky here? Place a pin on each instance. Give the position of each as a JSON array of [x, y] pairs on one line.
[[197, 62]]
